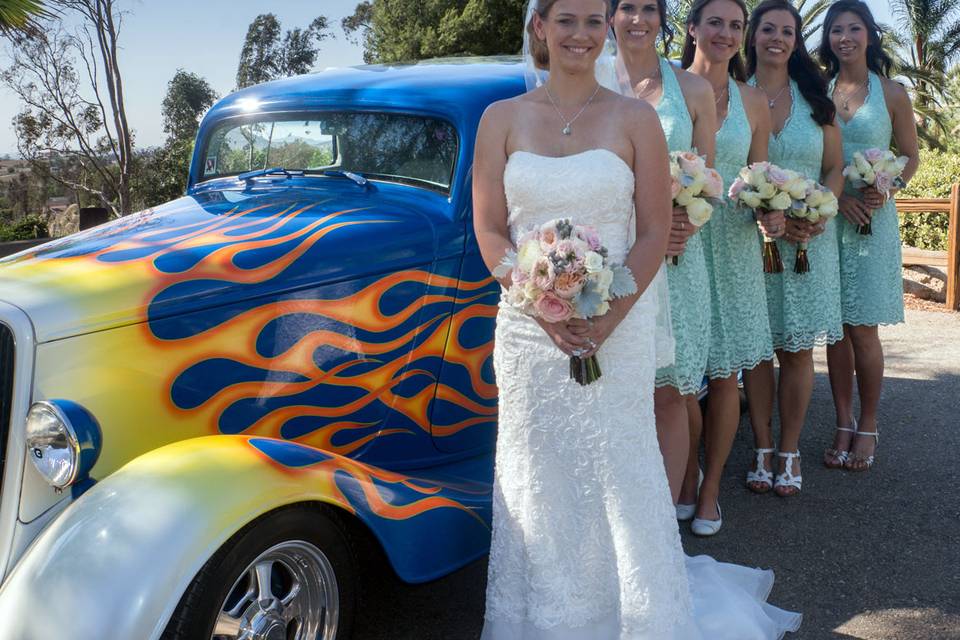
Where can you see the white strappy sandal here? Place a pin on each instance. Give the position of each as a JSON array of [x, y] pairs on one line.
[[760, 474], [868, 461], [787, 479], [836, 454]]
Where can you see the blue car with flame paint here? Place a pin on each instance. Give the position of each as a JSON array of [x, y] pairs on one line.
[[206, 405]]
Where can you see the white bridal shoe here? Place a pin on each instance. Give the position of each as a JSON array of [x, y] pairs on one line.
[[687, 511], [704, 528], [787, 479], [760, 475]]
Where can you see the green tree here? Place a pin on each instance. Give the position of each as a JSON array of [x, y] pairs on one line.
[[188, 97], [18, 16], [929, 38], [409, 30], [268, 54]]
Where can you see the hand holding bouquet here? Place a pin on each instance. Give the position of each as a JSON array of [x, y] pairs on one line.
[[819, 204], [877, 168], [764, 187], [561, 271], [694, 187]]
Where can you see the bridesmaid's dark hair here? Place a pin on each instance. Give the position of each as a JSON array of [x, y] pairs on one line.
[[877, 59], [666, 31], [801, 67], [735, 68]]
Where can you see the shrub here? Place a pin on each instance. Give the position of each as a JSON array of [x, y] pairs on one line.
[[28, 228], [936, 175]]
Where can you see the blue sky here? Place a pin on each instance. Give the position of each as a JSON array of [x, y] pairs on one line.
[[204, 37]]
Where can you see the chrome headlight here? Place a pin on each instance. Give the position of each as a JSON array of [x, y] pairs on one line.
[[63, 440]]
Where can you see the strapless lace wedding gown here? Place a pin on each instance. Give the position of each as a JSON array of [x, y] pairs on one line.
[[585, 541]]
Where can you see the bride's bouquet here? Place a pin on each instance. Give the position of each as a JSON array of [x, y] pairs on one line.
[[694, 187], [561, 271], [877, 168], [763, 186], [819, 203]]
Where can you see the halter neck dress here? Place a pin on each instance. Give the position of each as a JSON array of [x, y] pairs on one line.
[[871, 279], [688, 282], [739, 327], [804, 308]]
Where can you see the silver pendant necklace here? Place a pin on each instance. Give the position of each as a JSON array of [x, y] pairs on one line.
[[772, 101], [567, 128]]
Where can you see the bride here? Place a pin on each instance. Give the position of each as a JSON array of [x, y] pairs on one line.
[[585, 540]]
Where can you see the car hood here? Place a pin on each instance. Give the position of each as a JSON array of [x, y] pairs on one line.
[[215, 248]]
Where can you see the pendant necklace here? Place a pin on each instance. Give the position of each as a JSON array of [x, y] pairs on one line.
[[773, 101], [567, 130], [845, 97], [657, 77]]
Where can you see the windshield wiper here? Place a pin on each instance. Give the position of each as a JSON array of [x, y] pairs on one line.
[[275, 171], [356, 177]]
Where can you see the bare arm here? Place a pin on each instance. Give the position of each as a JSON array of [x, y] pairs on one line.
[[904, 126], [831, 168], [703, 111], [489, 201]]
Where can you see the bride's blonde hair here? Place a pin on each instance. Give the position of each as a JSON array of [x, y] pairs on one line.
[[538, 48]]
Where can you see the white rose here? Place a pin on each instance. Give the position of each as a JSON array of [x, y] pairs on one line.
[[780, 202], [603, 308], [797, 188], [528, 255], [684, 198], [593, 261], [869, 176], [699, 211], [751, 199], [766, 191]]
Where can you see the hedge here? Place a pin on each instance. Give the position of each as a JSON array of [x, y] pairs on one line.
[[936, 175], [29, 228]]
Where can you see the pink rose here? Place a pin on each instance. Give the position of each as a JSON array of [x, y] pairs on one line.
[[714, 185], [552, 308], [777, 176], [548, 237], [738, 185], [883, 182], [675, 188], [589, 235], [543, 273], [873, 155], [568, 284], [690, 163], [569, 251]]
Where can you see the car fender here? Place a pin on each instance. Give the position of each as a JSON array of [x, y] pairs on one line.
[[116, 562]]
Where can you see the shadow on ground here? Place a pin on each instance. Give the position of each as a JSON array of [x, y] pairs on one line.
[[872, 556]]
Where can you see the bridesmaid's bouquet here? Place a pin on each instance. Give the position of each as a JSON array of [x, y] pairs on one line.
[[819, 203], [694, 187], [877, 168], [763, 186], [560, 271]]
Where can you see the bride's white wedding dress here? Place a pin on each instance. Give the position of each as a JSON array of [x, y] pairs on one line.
[[585, 541]]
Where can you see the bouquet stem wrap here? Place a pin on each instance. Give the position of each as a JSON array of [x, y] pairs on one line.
[[802, 264], [772, 262], [585, 370]]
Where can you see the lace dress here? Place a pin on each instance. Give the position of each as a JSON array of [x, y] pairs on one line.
[[739, 328], [689, 287], [871, 278], [804, 308], [585, 541]]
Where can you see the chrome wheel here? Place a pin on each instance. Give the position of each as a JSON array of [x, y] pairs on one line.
[[289, 592]]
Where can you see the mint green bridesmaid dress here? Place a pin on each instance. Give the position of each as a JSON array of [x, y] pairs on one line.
[[804, 308], [688, 283], [871, 280], [739, 327]]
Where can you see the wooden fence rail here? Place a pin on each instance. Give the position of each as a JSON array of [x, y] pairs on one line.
[[949, 258]]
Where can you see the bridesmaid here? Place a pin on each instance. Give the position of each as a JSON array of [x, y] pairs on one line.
[[804, 308], [684, 102], [873, 111], [739, 331]]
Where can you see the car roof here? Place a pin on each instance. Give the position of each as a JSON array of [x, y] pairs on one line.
[[454, 87]]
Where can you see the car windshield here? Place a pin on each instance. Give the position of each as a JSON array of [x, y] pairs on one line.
[[411, 149]]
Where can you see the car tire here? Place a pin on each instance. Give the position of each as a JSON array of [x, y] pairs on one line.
[[307, 547]]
